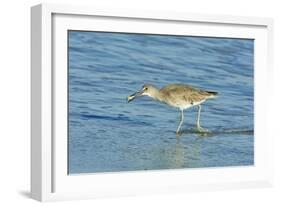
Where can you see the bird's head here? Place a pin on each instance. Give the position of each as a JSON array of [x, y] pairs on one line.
[[146, 90]]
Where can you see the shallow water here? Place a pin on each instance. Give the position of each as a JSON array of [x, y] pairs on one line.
[[108, 134]]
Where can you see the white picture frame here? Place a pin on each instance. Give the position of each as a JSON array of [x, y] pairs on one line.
[[49, 178]]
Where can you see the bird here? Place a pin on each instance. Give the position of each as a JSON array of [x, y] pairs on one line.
[[181, 96]]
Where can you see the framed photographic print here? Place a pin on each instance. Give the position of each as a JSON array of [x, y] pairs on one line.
[[136, 102]]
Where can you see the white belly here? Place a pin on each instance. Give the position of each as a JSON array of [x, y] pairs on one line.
[[187, 105]]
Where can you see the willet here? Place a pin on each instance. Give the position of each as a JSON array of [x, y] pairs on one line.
[[180, 96]]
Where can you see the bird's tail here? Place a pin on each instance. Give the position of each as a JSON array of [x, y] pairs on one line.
[[212, 94]]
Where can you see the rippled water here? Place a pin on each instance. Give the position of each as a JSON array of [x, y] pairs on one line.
[[108, 134]]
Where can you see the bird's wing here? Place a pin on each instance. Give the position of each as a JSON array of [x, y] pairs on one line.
[[184, 92], [196, 96]]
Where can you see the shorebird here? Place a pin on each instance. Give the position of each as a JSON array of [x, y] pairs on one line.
[[181, 96]]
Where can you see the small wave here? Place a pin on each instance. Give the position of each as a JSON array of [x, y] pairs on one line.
[[211, 133], [120, 117], [114, 118]]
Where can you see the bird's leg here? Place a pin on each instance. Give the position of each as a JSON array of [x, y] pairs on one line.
[[200, 129], [181, 121]]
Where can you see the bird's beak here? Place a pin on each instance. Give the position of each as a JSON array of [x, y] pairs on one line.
[[133, 96]]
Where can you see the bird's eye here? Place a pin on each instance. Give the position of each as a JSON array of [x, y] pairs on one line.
[[145, 88]]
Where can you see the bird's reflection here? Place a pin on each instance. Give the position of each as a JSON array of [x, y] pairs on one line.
[[187, 153], [179, 154], [183, 153]]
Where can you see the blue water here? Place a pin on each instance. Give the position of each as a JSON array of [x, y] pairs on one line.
[[108, 134]]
